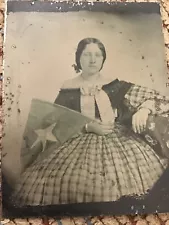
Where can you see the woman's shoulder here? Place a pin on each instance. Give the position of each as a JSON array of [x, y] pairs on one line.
[[117, 86], [115, 82], [73, 83]]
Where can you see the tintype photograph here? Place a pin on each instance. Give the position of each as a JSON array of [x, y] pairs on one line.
[[86, 106]]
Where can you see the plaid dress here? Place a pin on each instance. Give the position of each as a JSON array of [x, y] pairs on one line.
[[93, 168]]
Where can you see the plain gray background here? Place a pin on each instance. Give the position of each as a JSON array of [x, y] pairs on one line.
[[39, 53]]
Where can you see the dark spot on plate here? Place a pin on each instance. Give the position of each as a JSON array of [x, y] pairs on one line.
[[9, 109], [1, 51], [142, 57], [3, 155], [151, 74], [102, 174], [130, 40], [19, 110], [13, 46], [102, 22]]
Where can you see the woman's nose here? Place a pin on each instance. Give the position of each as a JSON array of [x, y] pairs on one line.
[[92, 59]]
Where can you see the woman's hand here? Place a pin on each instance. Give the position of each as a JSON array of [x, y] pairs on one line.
[[139, 120], [100, 128]]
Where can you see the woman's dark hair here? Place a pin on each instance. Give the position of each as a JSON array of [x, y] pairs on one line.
[[82, 45]]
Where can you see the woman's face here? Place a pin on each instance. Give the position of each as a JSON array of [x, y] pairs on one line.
[[91, 59]]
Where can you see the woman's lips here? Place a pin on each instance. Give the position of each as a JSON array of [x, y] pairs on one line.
[[92, 66]]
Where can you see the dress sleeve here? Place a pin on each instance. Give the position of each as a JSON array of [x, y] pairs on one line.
[[64, 98], [142, 97], [60, 98]]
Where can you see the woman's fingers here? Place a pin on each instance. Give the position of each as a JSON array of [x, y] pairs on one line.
[[143, 124], [134, 124], [106, 128], [107, 125], [138, 130], [100, 129], [107, 131], [145, 121], [139, 123]]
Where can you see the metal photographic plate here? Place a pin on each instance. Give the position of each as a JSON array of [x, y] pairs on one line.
[[86, 110]]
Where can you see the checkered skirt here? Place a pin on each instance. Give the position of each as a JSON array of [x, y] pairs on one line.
[[91, 168]]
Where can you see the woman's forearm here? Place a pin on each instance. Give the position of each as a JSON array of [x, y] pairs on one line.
[[141, 97], [149, 105]]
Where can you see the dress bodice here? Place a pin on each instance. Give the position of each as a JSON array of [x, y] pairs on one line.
[[92, 96], [115, 92]]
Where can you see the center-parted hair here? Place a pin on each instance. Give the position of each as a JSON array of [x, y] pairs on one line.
[[82, 45]]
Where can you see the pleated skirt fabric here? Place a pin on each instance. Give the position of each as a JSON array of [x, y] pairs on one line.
[[91, 168]]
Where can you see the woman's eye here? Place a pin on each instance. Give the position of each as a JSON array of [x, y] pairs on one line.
[[90, 54], [98, 55], [86, 54]]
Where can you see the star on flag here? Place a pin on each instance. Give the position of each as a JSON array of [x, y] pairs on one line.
[[45, 135]]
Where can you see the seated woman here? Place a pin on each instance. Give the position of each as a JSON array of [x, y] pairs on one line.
[[108, 158]]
